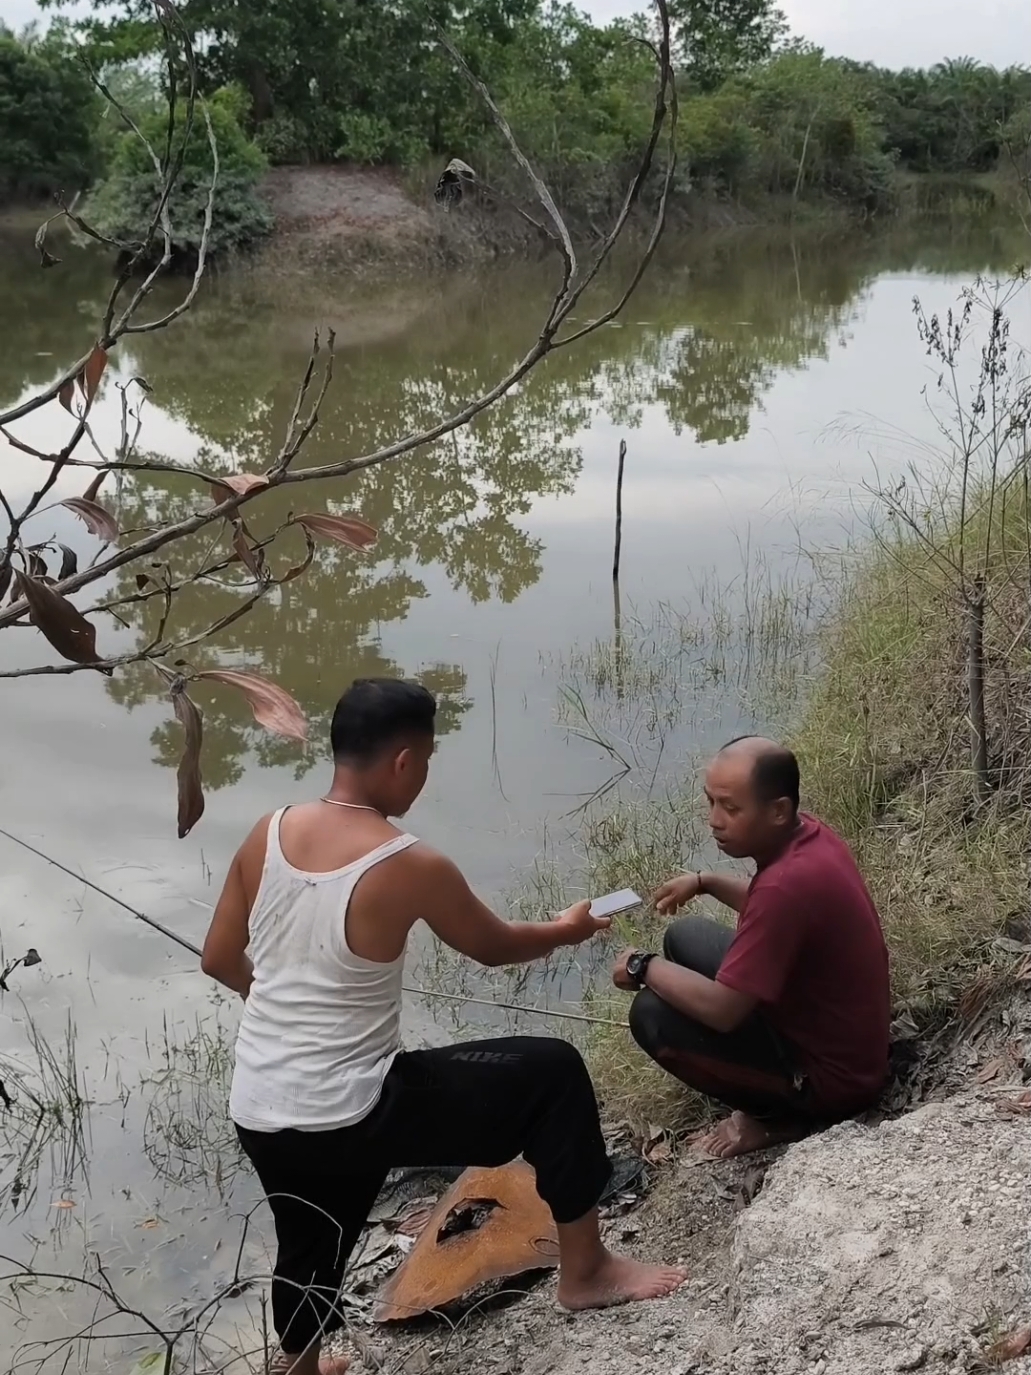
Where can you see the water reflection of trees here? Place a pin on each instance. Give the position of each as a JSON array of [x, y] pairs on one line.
[[456, 505], [48, 317], [704, 339]]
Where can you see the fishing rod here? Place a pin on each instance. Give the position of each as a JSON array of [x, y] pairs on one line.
[[195, 950]]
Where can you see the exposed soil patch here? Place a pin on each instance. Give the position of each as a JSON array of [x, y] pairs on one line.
[[330, 203], [352, 218]]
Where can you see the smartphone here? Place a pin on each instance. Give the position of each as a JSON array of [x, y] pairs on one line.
[[613, 904]]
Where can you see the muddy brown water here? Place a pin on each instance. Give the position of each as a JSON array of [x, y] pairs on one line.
[[756, 381]]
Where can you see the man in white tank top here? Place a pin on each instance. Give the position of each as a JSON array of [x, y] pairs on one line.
[[311, 930]]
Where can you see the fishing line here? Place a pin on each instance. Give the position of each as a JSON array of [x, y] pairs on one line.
[[408, 988]]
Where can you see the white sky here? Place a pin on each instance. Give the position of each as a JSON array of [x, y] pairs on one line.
[[893, 33]]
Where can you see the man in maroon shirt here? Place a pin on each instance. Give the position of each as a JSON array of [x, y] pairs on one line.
[[786, 1018]]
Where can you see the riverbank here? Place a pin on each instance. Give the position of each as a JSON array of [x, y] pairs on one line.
[[873, 664], [373, 224]]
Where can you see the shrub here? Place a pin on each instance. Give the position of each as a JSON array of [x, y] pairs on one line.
[[123, 205], [717, 140]]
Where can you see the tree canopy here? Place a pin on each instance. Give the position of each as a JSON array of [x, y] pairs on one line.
[[367, 82], [48, 115]]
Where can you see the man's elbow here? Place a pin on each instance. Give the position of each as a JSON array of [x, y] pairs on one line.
[[494, 959], [730, 1014], [212, 965]]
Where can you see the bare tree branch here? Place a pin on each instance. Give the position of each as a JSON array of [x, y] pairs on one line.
[[231, 493]]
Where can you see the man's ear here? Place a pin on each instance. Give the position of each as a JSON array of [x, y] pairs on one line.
[[402, 760], [782, 811]]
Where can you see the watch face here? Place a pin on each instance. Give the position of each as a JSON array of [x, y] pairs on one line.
[[635, 964]]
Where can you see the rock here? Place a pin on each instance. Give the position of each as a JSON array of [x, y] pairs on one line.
[[874, 1237], [913, 1359]]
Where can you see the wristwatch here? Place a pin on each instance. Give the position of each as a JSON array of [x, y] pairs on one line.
[[637, 966]]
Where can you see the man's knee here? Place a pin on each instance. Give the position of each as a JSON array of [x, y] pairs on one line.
[[697, 943], [547, 1055]]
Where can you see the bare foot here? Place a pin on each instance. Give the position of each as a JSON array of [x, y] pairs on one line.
[[739, 1134], [619, 1280]]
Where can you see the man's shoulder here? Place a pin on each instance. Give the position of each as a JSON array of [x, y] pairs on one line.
[[819, 844], [818, 857], [423, 864]]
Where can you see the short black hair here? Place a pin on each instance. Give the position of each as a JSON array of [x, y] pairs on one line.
[[375, 713], [775, 774]]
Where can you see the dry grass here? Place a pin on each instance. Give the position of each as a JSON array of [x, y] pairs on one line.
[[884, 744]]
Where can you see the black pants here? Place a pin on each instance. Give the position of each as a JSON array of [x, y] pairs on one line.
[[482, 1103], [752, 1069]]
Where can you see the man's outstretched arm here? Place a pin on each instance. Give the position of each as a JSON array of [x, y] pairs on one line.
[[454, 913], [725, 888]]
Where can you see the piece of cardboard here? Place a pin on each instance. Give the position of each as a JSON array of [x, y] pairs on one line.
[[512, 1232]]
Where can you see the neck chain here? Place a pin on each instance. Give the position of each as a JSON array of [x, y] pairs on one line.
[[354, 806]]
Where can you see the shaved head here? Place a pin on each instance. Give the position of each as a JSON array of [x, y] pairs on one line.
[[752, 789], [774, 767]]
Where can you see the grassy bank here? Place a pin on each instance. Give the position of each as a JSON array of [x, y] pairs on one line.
[[866, 666]]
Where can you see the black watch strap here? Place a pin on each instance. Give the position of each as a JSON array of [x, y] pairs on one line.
[[637, 966]]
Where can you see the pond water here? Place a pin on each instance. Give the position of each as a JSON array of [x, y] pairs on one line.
[[759, 382]]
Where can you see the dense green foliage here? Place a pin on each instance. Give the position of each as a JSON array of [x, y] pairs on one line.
[[954, 118], [123, 205], [366, 82], [48, 117]]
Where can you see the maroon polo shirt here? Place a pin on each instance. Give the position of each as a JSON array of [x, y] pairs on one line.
[[809, 947]]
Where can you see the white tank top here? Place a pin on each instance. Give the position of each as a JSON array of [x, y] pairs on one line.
[[321, 1026]]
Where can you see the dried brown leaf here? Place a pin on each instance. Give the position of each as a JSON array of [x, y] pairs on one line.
[[1015, 1107], [251, 558], [991, 1070], [1010, 1347], [237, 484], [93, 371], [90, 494], [656, 1148], [273, 707], [191, 789], [69, 562], [63, 1203], [67, 395], [304, 565], [350, 530], [46, 258], [61, 624], [99, 521]]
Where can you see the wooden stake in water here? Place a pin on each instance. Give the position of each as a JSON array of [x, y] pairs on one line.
[[619, 511], [617, 617]]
